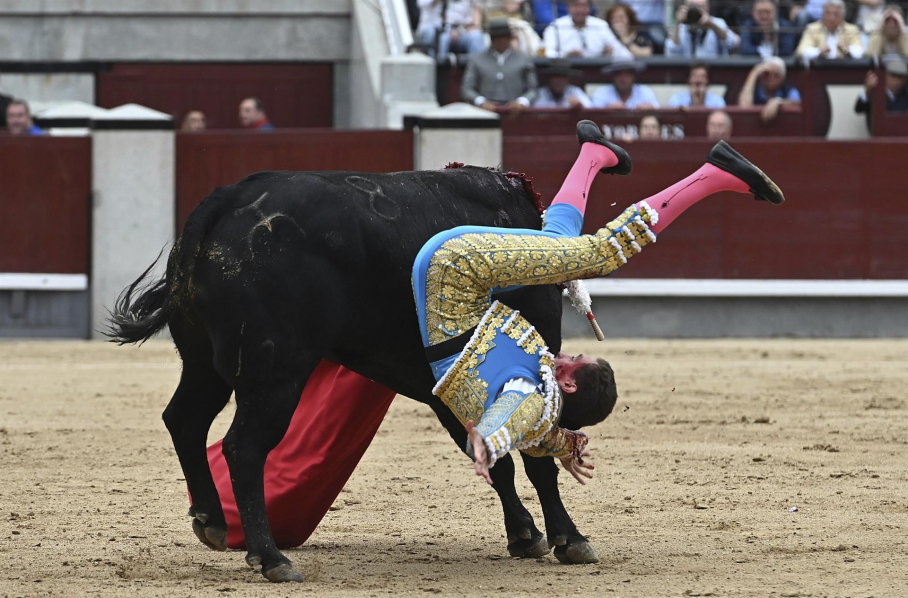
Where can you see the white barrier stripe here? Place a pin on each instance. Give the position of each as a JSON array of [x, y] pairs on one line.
[[43, 282], [711, 287]]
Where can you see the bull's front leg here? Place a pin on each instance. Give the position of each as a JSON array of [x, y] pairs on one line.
[[571, 547], [524, 538]]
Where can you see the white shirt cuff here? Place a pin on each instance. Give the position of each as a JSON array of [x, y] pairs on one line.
[[479, 101], [522, 100], [856, 51], [810, 52]]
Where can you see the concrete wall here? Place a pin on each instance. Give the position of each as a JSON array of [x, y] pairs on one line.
[[44, 314], [133, 210], [73, 30], [49, 87], [742, 317], [128, 7]]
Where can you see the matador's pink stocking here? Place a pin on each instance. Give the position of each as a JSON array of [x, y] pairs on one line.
[[596, 155], [725, 170]]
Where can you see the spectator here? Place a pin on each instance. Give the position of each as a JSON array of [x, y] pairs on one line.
[[19, 119], [896, 90], [831, 37], [526, 39], [870, 15], [697, 34], [252, 115], [623, 93], [546, 11], [193, 122], [697, 96], [806, 12], [500, 76], [623, 21], [890, 39], [718, 126], [761, 34], [508, 9], [650, 128], [766, 86], [651, 17], [580, 35], [457, 30], [558, 92]]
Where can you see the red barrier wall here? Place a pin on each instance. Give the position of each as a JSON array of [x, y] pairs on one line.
[[845, 214], [208, 160], [45, 197], [294, 95], [747, 122]]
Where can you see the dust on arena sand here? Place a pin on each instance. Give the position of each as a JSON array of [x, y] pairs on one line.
[[694, 496]]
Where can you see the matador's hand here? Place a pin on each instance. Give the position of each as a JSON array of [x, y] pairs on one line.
[[579, 466], [481, 465]]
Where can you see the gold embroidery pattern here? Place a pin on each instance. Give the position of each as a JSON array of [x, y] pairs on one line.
[[559, 443], [465, 268]]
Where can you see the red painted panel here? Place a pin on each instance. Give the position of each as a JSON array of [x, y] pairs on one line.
[[44, 204], [294, 95], [747, 122], [208, 160], [845, 214]]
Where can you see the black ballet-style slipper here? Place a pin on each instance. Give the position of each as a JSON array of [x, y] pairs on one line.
[[589, 132], [724, 157]]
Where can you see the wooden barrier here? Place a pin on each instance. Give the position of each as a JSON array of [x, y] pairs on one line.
[[294, 95], [845, 214], [676, 124], [208, 160], [45, 204]]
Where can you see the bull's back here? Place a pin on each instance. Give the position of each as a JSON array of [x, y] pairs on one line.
[[329, 255]]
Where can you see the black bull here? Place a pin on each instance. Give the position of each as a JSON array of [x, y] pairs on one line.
[[284, 269]]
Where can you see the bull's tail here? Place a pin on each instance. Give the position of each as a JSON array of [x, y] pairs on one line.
[[145, 306], [137, 317]]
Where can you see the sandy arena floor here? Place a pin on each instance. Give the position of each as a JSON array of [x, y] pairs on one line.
[[694, 493]]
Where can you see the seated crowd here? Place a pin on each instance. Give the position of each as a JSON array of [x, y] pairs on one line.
[[625, 29], [502, 74]]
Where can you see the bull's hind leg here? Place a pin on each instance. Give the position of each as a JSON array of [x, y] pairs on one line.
[[200, 396], [265, 404]]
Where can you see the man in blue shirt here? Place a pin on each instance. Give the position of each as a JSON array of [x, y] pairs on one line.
[[558, 92], [623, 93], [765, 86], [697, 96], [760, 37], [19, 119]]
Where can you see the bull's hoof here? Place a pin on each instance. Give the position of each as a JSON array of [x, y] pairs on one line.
[[577, 553], [532, 547], [211, 536], [284, 572]]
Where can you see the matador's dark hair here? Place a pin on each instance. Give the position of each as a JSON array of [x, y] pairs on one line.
[[594, 399]]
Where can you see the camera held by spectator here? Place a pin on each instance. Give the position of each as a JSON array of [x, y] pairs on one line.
[[697, 34]]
